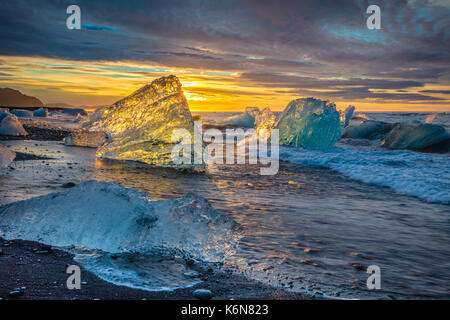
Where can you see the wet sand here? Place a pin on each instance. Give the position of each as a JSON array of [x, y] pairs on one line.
[[41, 271]]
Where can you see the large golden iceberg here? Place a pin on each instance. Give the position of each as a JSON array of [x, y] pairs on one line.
[[140, 126]]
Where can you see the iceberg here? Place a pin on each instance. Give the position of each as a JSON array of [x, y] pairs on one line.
[[6, 156], [40, 113], [84, 138], [368, 129], [310, 123], [10, 125], [141, 125], [415, 136], [246, 119], [109, 217]]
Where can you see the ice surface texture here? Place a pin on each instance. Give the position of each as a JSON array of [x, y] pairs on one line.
[[415, 136], [310, 123], [112, 218], [83, 138], [10, 125], [141, 125], [6, 156]]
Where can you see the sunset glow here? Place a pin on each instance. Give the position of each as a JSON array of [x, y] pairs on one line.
[[259, 55]]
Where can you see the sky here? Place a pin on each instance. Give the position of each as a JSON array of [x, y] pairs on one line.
[[231, 54]]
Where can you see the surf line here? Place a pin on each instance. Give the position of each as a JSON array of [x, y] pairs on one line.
[[193, 310]]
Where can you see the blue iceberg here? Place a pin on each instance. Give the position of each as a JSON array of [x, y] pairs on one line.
[[311, 124], [40, 113]]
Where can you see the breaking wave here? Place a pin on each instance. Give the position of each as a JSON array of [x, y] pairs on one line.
[[420, 175]]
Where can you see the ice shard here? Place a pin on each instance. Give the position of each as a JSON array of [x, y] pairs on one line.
[[310, 123], [141, 125]]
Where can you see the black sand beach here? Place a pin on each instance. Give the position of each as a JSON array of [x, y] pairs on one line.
[[41, 271]]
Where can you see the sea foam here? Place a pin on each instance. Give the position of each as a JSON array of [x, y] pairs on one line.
[[420, 175]]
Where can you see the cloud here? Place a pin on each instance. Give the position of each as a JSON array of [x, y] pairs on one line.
[[309, 45], [436, 91]]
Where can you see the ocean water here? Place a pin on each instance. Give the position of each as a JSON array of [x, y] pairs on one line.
[[315, 226]]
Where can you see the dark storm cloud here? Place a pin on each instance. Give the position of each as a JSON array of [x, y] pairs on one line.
[[436, 91], [271, 39]]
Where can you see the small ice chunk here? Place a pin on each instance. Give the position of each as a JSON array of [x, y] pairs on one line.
[[10, 125], [75, 112], [415, 136], [40, 112], [6, 156], [310, 123]]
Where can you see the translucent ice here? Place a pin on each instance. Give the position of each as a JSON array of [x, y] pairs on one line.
[[84, 138], [265, 119], [310, 123], [6, 156], [141, 125], [75, 112], [112, 218]]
